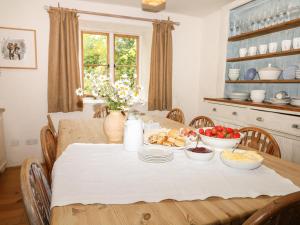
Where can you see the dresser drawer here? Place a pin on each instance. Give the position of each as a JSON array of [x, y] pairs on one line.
[[228, 112], [275, 121]]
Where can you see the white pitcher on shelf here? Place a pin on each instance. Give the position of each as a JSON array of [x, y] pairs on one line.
[[133, 134]]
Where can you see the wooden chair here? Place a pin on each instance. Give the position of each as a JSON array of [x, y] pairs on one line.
[[49, 145], [176, 115], [101, 111], [261, 140], [282, 211], [51, 125], [36, 192], [201, 121]]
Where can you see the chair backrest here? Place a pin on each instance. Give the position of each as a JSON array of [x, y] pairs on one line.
[[260, 140], [101, 111], [201, 121], [283, 211], [36, 192], [51, 125], [49, 145], [176, 115]]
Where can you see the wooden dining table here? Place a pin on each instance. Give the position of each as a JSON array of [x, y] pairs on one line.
[[213, 210]]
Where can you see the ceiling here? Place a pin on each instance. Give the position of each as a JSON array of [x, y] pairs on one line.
[[187, 7]]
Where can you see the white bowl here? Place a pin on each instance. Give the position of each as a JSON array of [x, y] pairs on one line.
[[220, 142], [200, 156], [257, 99], [245, 165], [269, 74], [234, 76]]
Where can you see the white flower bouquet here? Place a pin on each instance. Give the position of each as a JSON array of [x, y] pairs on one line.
[[117, 96]]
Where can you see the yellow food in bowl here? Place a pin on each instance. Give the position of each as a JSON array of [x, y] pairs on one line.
[[242, 156]]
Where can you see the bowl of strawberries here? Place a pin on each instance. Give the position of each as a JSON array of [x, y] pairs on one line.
[[220, 136]]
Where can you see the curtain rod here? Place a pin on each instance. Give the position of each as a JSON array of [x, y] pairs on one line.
[[115, 16]]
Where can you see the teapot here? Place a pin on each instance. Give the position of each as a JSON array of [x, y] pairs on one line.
[[133, 134]]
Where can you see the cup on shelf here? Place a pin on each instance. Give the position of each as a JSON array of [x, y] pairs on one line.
[[263, 49], [252, 51], [243, 52], [286, 45], [273, 47], [296, 43]]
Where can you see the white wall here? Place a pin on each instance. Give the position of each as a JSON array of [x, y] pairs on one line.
[[213, 57], [23, 93]]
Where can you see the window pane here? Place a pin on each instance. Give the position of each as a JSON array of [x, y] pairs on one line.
[[91, 72], [95, 49], [129, 70], [125, 50]]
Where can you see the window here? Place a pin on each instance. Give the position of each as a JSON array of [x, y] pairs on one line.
[[95, 56], [126, 57], [97, 60]]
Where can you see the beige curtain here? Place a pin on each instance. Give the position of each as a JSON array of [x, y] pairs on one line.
[[160, 87], [63, 62]]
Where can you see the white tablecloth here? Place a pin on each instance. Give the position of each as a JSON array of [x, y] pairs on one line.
[[100, 173]]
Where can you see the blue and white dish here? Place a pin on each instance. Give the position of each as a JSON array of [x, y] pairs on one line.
[[250, 74], [290, 72]]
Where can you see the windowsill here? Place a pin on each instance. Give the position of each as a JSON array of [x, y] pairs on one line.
[[91, 100]]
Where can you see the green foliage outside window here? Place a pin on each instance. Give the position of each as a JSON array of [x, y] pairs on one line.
[[95, 57]]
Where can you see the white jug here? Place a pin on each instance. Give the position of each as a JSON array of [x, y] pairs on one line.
[[133, 134]]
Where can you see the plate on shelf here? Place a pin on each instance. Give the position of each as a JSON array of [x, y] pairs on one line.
[[276, 101]]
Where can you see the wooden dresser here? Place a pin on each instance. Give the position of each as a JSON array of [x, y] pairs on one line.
[[2, 145], [282, 123]]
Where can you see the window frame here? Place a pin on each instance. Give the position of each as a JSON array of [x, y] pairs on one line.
[[137, 66], [82, 54]]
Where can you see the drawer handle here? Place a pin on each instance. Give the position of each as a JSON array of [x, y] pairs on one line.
[[260, 119], [214, 109], [296, 126], [234, 113]]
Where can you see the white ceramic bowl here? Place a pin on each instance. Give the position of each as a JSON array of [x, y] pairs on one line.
[[269, 75], [245, 165], [257, 99], [233, 76], [220, 142], [200, 156]]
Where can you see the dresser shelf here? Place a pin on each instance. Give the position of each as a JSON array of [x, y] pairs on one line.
[[265, 56], [261, 81], [266, 30]]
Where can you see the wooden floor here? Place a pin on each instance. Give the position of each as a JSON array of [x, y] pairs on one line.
[[12, 210]]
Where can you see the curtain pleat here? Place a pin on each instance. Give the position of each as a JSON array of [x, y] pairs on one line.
[[160, 86], [63, 62]]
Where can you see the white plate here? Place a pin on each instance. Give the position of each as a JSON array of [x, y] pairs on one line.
[[155, 155], [295, 104], [188, 142], [244, 165], [277, 103]]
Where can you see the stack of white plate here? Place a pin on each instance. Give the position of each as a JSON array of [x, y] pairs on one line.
[[298, 74], [239, 96], [295, 101], [155, 155], [277, 101]]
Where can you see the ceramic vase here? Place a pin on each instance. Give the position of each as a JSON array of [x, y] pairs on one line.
[[114, 126]]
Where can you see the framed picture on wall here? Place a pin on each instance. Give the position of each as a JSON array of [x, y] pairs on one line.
[[18, 48]]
